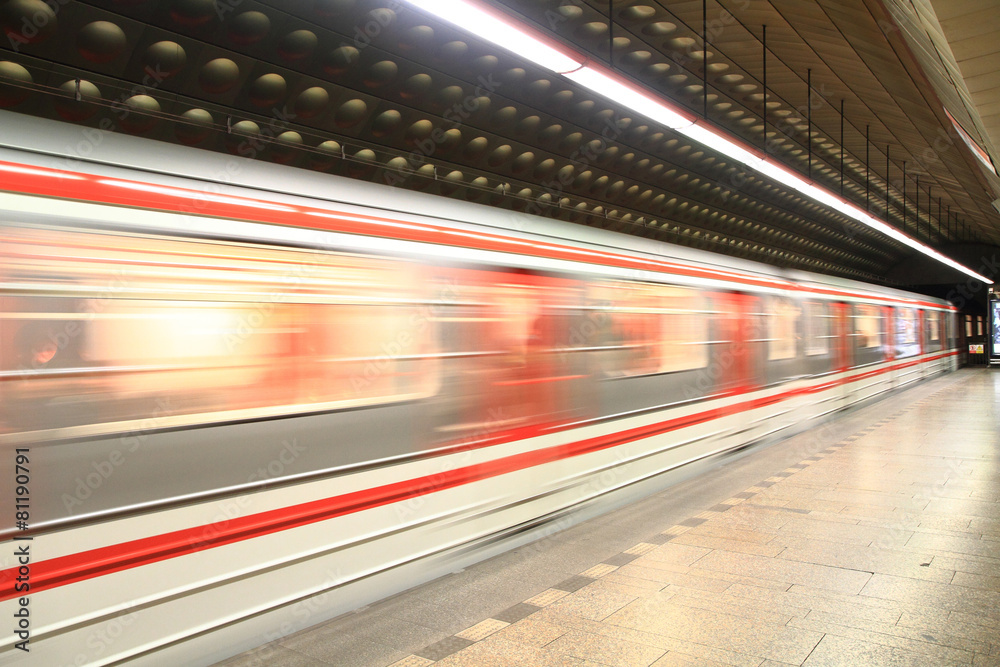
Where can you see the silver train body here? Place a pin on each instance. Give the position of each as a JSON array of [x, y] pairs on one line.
[[250, 398]]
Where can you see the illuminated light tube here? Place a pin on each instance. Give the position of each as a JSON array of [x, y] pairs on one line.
[[717, 142], [786, 177], [504, 32], [195, 195], [528, 43], [616, 89]]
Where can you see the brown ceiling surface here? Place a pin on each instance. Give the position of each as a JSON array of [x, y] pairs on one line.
[[374, 89], [966, 37]]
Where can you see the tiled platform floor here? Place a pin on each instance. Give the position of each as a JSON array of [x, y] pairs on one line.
[[873, 540]]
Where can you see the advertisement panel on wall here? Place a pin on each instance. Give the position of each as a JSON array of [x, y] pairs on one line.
[[995, 328]]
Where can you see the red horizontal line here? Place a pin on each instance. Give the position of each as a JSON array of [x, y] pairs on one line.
[[55, 572], [90, 188]]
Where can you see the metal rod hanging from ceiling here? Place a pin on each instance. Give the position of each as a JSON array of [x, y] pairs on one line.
[[611, 35], [938, 219], [887, 182], [763, 111], [842, 149], [868, 206], [904, 196], [809, 123], [930, 208], [917, 224], [575, 66], [704, 58]]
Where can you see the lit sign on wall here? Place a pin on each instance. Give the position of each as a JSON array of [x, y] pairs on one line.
[[995, 327]]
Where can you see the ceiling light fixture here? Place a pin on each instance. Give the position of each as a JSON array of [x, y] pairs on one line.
[[503, 31], [621, 91], [524, 41]]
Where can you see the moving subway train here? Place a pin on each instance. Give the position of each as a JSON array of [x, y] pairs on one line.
[[233, 410]]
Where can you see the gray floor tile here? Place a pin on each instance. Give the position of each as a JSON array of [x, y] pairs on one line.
[[572, 584], [444, 648], [516, 613]]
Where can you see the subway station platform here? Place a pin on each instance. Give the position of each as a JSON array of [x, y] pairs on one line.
[[871, 540]]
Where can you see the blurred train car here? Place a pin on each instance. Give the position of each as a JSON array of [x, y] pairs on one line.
[[245, 408]]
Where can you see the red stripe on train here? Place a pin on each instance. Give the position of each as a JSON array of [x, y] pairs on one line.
[[85, 565], [98, 189]]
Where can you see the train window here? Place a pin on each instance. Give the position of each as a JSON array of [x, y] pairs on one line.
[[817, 328], [511, 346], [868, 333], [867, 327], [933, 326], [685, 330], [142, 326], [782, 329], [907, 332], [610, 329], [642, 328]]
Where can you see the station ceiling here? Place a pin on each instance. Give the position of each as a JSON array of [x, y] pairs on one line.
[[378, 90]]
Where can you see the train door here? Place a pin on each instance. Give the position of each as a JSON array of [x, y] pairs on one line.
[[922, 337], [888, 314], [842, 315], [844, 357], [737, 327], [540, 384], [508, 371]]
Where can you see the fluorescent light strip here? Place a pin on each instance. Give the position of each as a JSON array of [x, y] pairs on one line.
[[523, 41], [621, 92], [505, 33], [786, 177]]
